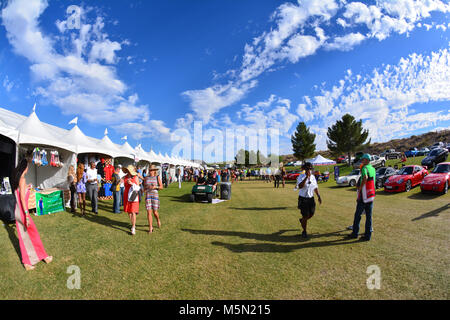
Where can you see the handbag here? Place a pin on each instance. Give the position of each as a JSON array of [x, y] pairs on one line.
[[368, 191], [133, 193]]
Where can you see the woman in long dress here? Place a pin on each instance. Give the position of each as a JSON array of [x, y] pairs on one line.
[[132, 208], [31, 247]]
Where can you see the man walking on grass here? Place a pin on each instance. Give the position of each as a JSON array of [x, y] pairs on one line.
[[364, 202]]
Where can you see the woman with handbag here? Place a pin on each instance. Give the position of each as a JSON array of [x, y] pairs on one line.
[[31, 248], [131, 195]]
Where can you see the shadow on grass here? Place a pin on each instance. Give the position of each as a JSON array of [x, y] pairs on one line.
[[10, 228], [270, 247], [433, 213], [422, 196], [273, 237], [100, 219], [261, 208], [182, 198]]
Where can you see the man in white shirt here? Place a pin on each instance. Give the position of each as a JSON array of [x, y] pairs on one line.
[[92, 186], [308, 186]]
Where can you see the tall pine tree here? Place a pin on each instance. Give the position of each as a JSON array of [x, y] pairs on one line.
[[347, 136], [303, 142]]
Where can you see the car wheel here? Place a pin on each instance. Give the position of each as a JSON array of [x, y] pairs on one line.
[[210, 197], [192, 197], [379, 184], [408, 185], [383, 164], [352, 183], [445, 188]]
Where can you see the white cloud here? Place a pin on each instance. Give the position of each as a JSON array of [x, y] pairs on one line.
[[383, 98], [210, 100], [299, 32], [345, 43], [80, 78], [7, 84], [305, 115]]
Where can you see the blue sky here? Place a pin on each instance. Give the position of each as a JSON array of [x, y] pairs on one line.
[[147, 69]]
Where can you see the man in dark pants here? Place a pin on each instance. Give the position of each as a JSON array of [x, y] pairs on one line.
[[92, 187], [367, 175], [115, 187]]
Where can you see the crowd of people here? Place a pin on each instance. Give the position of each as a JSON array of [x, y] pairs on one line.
[[130, 185]]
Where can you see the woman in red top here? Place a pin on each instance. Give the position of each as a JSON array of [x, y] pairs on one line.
[[132, 208]]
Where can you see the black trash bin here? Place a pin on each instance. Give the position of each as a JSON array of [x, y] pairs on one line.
[[225, 190]]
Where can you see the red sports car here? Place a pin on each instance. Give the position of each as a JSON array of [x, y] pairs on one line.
[[406, 178], [292, 175], [438, 180], [341, 159]]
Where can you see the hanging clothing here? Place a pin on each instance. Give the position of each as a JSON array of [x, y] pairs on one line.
[[31, 247], [109, 170], [44, 161]]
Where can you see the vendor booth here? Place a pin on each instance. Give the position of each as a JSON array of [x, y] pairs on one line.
[[50, 158], [7, 160], [52, 151]]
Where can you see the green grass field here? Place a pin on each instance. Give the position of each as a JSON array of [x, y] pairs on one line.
[[246, 248]]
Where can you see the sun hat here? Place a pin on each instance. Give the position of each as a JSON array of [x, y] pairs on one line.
[[153, 168], [132, 170]]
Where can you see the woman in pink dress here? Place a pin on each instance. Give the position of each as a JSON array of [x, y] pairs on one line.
[[31, 247], [132, 208]]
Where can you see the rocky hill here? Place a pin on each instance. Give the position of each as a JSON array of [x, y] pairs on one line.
[[401, 145]]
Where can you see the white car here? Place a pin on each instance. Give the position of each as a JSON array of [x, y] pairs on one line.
[[349, 180]]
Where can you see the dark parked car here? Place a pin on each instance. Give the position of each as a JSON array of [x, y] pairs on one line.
[[423, 152], [435, 156], [382, 175]]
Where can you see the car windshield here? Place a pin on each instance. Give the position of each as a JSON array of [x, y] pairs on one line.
[[381, 171], [354, 172], [442, 168], [406, 170], [434, 152]]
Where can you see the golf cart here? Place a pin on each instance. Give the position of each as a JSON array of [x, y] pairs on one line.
[[203, 192]]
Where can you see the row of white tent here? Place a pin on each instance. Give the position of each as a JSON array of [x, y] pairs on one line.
[[31, 131]]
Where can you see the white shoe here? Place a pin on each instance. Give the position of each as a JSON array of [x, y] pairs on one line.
[[133, 231]]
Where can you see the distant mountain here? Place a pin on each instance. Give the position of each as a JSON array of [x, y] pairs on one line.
[[400, 145]]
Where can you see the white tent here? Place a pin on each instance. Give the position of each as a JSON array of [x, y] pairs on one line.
[[9, 131], [321, 161], [114, 149], [141, 154], [128, 150], [82, 143], [33, 132], [154, 157]]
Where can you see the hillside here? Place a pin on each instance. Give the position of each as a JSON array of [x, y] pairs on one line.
[[420, 141]]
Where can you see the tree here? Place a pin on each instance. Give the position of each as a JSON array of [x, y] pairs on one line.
[[303, 142], [347, 136]]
